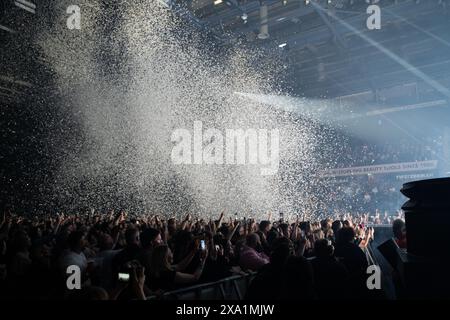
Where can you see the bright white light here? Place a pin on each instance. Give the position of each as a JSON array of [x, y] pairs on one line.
[[216, 2], [244, 16], [281, 19], [282, 45]]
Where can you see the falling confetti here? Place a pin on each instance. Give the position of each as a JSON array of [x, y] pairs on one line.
[[129, 78]]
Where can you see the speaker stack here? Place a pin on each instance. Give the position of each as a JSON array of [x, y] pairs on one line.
[[424, 268]]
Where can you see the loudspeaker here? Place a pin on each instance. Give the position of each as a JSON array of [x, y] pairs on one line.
[[427, 217]]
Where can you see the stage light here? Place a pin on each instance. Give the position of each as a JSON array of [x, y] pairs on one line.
[[264, 22]]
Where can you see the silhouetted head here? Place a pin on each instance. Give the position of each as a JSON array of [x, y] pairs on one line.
[[346, 234], [150, 238], [132, 236], [253, 240], [348, 224], [272, 236], [325, 225], [281, 250], [399, 228], [336, 226], [21, 241], [76, 241], [323, 248], [286, 228], [106, 242], [265, 226]]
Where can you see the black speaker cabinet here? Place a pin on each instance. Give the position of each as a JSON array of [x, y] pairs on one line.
[[427, 218]]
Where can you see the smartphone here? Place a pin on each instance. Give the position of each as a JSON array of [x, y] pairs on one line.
[[202, 244], [124, 277]]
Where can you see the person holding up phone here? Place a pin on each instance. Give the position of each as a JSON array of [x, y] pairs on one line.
[[164, 276], [202, 245], [132, 276]]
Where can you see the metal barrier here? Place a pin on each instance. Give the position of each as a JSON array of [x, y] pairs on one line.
[[374, 257], [369, 255], [231, 288]]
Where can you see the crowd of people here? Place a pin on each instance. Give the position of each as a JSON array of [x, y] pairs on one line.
[[369, 192], [404, 150], [362, 194], [124, 256]]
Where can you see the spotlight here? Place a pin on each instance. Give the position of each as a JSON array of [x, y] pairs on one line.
[[216, 2], [264, 22]]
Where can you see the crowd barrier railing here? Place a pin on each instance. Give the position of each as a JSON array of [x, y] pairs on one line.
[[230, 288]]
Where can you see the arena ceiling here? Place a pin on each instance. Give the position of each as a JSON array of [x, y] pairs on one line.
[[324, 43]]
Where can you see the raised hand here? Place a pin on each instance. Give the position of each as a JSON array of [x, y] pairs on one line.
[[138, 276], [219, 222], [138, 281], [204, 254], [370, 233]]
